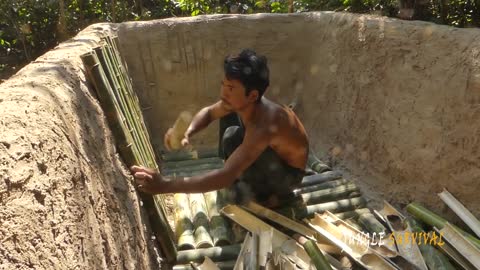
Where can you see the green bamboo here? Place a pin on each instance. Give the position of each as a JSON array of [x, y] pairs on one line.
[[370, 223], [102, 87], [320, 178], [200, 221], [354, 224], [434, 220], [112, 94], [330, 194], [219, 228], [329, 184], [433, 257], [317, 257], [316, 164], [183, 223], [352, 214], [216, 254], [334, 207]]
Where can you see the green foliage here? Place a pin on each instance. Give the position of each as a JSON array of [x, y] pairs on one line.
[[30, 27]]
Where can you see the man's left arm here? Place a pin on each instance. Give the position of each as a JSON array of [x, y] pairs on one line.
[[254, 143]]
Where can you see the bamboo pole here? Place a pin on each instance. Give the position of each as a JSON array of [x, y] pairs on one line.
[[330, 194], [183, 223], [316, 164], [329, 184], [225, 253], [320, 178], [134, 152], [370, 223], [434, 220], [334, 207], [219, 228], [200, 221], [461, 211], [318, 259], [352, 214]]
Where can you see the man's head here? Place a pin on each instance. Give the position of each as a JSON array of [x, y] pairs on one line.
[[247, 71]]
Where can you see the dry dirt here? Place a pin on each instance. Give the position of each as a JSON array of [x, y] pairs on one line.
[[66, 200]]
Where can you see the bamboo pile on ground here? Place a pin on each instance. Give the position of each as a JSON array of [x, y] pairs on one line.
[[114, 90]]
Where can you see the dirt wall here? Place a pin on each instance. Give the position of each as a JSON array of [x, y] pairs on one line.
[[396, 102], [66, 201]]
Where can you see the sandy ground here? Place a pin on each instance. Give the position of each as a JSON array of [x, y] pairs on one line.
[[66, 200]]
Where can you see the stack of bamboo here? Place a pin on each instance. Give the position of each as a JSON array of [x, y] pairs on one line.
[[107, 72]]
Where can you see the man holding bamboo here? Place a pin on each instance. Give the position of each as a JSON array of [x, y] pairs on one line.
[[264, 144]]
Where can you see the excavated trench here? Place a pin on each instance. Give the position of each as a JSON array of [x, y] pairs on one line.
[[392, 104]]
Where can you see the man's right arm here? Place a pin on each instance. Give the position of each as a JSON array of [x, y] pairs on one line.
[[205, 116]]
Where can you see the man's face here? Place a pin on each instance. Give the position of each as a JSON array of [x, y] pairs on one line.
[[232, 93]]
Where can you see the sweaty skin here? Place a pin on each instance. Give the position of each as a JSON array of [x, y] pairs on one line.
[[266, 124]]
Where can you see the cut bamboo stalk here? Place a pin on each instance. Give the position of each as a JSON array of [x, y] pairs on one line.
[[264, 247], [320, 178], [373, 241], [244, 251], [334, 207], [401, 229], [179, 128], [225, 253], [219, 228], [316, 164], [317, 257], [461, 244], [370, 223], [461, 211], [356, 250], [331, 194], [207, 264], [183, 223], [253, 224], [434, 220], [354, 224], [189, 155], [454, 255], [326, 185], [433, 258], [352, 214], [200, 221]]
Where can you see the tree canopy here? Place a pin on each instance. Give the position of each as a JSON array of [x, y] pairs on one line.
[[28, 28]]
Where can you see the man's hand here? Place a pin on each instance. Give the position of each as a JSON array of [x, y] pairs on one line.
[[148, 180], [169, 136]]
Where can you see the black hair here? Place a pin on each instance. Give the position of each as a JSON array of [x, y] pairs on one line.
[[250, 69]]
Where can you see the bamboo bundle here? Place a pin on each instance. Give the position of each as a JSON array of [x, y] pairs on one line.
[[217, 254], [200, 221], [430, 218], [320, 178], [316, 164], [330, 194], [126, 121], [329, 184], [183, 223], [219, 228]]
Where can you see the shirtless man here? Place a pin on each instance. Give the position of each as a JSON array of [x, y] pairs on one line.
[[264, 144]]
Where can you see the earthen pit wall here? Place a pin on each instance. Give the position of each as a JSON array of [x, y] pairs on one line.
[[397, 102]]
